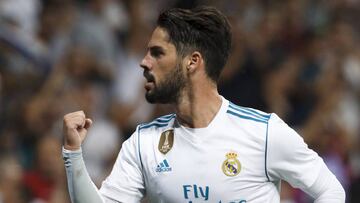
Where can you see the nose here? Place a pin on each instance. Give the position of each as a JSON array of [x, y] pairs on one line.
[[145, 63]]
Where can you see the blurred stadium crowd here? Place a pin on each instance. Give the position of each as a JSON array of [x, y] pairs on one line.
[[299, 59]]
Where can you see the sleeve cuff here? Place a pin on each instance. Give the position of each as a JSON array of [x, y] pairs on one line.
[[71, 151]]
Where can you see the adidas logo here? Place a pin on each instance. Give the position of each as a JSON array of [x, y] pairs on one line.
[[163, 167]]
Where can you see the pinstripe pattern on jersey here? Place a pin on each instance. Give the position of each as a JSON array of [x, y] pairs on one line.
[[139, 149], [254, 115], [248, 113], [159, 122]]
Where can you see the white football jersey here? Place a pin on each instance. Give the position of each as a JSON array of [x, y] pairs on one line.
[[240, 157]]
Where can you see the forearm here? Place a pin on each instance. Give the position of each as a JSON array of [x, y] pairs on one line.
[[326, 189], [80, 186]]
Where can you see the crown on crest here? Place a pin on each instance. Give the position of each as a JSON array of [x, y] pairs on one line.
[[231, 155]]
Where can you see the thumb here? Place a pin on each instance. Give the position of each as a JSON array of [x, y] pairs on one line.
[[88, 123], [83, 131]]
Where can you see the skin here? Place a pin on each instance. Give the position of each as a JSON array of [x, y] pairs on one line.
[[196, 106], [168, 86]]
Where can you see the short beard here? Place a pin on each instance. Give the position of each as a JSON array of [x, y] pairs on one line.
[[168, 91]]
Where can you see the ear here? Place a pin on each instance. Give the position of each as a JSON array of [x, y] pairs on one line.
[[195, 61]]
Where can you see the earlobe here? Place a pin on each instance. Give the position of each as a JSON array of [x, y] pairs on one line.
[[194, 61]]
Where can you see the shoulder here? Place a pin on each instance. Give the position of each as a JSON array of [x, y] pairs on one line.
[[284, 141], [247, 114], [157, 124], [280, 130]]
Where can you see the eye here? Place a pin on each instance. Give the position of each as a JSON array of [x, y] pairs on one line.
[[156, 52]]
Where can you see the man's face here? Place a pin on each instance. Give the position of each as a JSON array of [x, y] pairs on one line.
[[162, 70]]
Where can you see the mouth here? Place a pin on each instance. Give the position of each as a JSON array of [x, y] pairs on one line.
[[150, 81], [149, 85]]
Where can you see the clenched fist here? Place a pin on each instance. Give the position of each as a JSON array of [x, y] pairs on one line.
[[75, 128]]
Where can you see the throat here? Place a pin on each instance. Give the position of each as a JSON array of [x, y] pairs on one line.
[[198, 114]]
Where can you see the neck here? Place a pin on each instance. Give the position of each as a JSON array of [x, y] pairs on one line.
[[198, 105]]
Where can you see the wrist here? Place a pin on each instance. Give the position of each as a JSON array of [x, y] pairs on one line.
[[71, 148]]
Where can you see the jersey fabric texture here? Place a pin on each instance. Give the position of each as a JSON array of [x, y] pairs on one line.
[[241, 156]]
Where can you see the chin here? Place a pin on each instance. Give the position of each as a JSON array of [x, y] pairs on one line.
[[155, 99], [150, 98]]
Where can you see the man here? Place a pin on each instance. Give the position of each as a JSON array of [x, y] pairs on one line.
[[210, 150]]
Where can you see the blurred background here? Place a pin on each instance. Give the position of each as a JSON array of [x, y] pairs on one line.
[[298, 58]]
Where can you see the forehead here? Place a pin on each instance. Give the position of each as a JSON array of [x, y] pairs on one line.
[[160, 38]]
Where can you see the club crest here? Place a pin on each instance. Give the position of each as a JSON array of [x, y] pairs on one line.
[[166, 141], [231, 166]]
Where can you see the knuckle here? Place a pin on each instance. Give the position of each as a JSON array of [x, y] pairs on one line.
[[73, 118], [67, 123], [66, 119], [81, 112]]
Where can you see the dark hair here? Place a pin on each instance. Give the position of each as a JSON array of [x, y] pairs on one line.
[[203, 29]]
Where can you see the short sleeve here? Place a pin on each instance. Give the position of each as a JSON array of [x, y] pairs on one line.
[[288, 156], [125, 182]]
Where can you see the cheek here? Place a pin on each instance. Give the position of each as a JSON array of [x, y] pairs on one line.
[[164, 66], [158, 72]]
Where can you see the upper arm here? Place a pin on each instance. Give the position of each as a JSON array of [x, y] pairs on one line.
[[125, 182], [289, 157]]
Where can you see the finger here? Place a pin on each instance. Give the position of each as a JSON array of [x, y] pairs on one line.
[[75, 114], [88, 123], [77, 121]]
